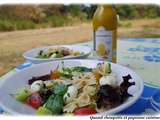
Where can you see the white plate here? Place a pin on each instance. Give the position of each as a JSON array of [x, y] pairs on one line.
[[20, 79], [31, 54]]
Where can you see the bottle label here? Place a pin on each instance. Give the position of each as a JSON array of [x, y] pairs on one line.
[[103, 43]]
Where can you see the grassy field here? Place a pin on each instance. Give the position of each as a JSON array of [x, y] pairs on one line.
[[13, 44]]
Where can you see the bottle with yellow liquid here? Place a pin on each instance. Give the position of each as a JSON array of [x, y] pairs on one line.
[[105, 32]]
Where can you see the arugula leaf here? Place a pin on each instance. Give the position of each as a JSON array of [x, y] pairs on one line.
[[55, 104], [68, 72], [81, 69], [63, 75], [60, 89]]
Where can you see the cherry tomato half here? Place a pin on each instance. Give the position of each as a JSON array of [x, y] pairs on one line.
[[85, 111], [35, 100]]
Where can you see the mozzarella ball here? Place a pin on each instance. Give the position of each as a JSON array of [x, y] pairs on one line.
[[70, 94], [108, 80], [37, 86]]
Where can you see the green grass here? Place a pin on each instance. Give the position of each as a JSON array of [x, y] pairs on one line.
[[10, 25], [6, 26], [21, 25], [126, 24], [50, 21], [56, 21]]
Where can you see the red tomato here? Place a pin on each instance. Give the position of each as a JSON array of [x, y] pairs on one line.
[[85, 111], [35, 100]]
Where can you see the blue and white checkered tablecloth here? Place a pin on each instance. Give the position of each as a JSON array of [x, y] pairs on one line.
[[149, 102]]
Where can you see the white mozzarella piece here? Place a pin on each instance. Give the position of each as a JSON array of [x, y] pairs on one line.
[[37, 86], [70, 94], [108, 80]]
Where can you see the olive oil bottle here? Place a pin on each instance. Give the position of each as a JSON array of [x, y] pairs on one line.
[[105, 32]]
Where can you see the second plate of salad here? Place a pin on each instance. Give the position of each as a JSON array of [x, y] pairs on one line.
[[58, 52]]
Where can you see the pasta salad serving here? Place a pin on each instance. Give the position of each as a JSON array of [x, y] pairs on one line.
[[58, 52], [75, 90]]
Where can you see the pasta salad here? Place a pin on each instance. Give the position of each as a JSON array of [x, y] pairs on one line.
[[75, 90]]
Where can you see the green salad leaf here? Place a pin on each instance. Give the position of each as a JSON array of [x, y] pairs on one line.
[[43, 111], [55, 101], [41, 54], [55, 104], [68, 72], [81, 69], [60, 89], [56, 55]]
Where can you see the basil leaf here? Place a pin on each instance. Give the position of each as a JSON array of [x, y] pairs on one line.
[[55, 104]]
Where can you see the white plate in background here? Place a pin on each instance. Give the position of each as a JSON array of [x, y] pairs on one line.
[[31, 54]]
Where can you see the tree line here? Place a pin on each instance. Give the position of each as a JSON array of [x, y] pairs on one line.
[[13, 17]]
